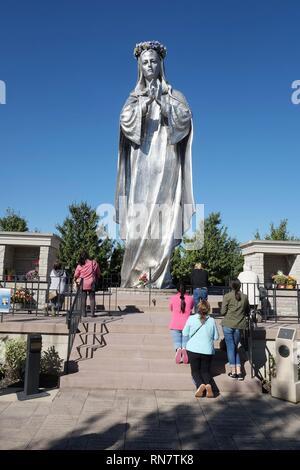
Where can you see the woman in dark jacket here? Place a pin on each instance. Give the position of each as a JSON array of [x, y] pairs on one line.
[[235, 308]]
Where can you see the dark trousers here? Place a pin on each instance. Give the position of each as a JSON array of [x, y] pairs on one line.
[[200, 367], [92, 301]]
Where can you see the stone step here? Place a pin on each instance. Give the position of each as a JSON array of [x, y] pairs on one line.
[[139, 355], [123, 346], [119, 327], [145, 308], [133, 363], [126, 380], [137, 339], [131, 358]]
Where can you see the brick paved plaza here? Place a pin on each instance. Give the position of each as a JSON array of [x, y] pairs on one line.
[[126, 419]]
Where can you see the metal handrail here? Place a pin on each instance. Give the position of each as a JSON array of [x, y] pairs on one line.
[[73, 319]]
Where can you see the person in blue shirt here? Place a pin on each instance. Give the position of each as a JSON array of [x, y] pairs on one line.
[[202, 332]]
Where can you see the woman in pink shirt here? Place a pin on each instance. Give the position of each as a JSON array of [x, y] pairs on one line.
[[181, 306], [89, 271]]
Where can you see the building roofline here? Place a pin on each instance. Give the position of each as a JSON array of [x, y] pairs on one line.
[[29, 234], [270, 242]]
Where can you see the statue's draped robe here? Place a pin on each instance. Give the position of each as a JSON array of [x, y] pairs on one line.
[[155, 181]]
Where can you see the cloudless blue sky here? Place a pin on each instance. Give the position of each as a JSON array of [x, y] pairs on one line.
[[68, 66]]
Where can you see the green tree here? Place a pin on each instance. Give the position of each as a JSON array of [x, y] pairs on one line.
[[181, 265], [277, 233], [116, 260], [257, 235], [104, 256], [220, 254], [78, 233], [13, 222]]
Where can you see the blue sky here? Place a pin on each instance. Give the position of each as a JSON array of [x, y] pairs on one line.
[[68, 67]]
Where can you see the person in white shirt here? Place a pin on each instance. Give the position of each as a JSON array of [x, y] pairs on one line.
[[250, 284], [58, 280]]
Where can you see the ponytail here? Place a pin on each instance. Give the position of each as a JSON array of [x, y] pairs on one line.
[[203, 309], [182, 297], [236, 286]]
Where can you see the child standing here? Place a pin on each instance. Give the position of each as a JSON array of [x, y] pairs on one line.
[[181, 306]]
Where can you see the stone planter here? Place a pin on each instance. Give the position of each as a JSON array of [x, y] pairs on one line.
[[281, 286]]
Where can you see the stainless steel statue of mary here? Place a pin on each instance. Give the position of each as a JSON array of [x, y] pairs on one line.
[[154, 197]]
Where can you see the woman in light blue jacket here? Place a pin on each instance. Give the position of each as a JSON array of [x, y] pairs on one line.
[[202, 332]]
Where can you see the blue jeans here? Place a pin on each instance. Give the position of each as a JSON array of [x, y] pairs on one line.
[[179, 340], [232, 339], [199, 293]]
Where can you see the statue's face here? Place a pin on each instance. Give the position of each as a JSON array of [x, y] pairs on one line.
[[150, 65]]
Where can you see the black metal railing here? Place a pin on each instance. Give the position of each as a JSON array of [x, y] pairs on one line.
[[268, 371], [268, 297], [73, 319], [32, 296], [249, 335]]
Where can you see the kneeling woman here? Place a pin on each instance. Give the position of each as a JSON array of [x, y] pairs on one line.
[[202, 332]]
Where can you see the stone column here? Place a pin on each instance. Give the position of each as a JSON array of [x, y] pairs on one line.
[[295, 270], [2, 256], [43, 263], [256, 261], [52, 257]]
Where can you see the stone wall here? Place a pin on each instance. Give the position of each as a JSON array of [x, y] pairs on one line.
[[286, 302], [295, 268], [18, 251], [288, 264], [52, 257], [43, 263], [9, 258], [256, 261], [60, 342], [24, 258], [2, 254]]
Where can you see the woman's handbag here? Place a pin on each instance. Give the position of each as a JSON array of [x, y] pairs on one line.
[[222, 345], [52, 294], [96, 285]]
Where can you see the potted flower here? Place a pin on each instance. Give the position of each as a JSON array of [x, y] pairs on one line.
[[22, 298], [291, 282], [280, 280], [143, 279]]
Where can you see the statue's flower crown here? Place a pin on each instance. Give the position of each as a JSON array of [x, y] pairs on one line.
[[155, 45]]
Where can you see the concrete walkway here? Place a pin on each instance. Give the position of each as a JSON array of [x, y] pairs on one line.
[[147, 420]]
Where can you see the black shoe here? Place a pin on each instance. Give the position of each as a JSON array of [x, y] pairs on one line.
[[240, 377], [232, 376]]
